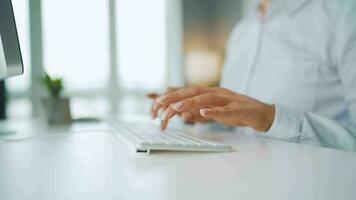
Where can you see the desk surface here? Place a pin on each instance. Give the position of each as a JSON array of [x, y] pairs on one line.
[[88, 162]]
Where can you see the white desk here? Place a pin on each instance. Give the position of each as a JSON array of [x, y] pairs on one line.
[[93, 165]]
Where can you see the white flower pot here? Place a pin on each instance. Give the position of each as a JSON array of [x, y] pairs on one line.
[[57, 110]]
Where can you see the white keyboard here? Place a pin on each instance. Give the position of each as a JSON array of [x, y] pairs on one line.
[[144, 138]]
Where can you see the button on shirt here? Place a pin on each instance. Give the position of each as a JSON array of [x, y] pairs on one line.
[[301, 57]]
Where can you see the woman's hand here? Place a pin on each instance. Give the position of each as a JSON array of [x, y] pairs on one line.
[[219, 104], [155, 105], [191, 116]]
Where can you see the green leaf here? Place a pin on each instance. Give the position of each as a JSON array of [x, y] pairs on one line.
[[54, 86]]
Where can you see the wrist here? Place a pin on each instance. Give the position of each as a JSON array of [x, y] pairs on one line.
[[261, 119], [269, 113]]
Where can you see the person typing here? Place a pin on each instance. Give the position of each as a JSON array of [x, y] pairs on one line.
[[289, 74]]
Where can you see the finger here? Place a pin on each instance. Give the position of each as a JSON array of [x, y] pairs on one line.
[[154, 109], [189, 105], [156, 106], [172, 89], [163, 125], [192, 117], [200, 101], [166, 116], [155, 95], [225, 115], [182, 94], [215, 112]]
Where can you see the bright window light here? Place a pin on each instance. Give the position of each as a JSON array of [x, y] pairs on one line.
[[141, 43], [75, 37]]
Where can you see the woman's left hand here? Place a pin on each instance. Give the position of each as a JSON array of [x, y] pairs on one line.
[[219, 104]]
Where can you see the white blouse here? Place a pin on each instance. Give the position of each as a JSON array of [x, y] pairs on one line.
[[301, 57]]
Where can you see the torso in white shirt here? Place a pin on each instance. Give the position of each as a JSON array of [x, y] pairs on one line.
[[287, 58]]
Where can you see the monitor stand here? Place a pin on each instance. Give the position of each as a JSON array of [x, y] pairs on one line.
[[4, 129]]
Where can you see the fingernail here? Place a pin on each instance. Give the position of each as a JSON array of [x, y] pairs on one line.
[[204, 111], [162, 99], [164, 115], [178, 106]]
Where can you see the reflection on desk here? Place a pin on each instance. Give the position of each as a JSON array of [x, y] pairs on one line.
[[87, 161]]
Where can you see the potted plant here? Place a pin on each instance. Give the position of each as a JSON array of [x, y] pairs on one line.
[[56, 107]]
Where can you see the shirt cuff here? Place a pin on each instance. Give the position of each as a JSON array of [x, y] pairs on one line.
[[287, 124]]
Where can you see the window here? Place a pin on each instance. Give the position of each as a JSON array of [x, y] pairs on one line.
[[75, 35], [142, 43], [76, 47]]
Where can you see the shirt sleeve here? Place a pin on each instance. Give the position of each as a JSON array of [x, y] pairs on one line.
[[291, 125], [297, 126]]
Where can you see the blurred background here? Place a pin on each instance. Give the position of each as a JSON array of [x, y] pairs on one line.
[[110, 53]]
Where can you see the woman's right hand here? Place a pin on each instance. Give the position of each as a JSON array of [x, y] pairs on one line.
[[189, 117]]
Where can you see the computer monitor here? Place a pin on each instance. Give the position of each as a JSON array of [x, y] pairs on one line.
[[10, 54]]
